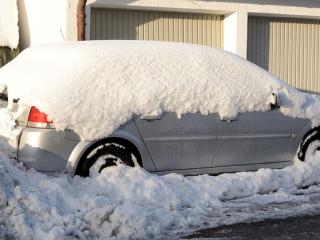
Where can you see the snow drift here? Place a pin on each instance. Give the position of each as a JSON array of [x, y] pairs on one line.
[[130, 203], [9, 30], [93, 87]]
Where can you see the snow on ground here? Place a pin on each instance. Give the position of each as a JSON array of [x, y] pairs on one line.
[[9, 30], [108, 81], [130, 203], [103, 79]]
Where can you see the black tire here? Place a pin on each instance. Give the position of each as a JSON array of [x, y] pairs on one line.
[[315, 136], [112, 152]]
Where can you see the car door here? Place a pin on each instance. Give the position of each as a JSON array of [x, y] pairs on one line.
[[179, 143], [254, 138]]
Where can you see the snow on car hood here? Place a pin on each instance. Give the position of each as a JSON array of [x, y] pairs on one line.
[[93, 87]]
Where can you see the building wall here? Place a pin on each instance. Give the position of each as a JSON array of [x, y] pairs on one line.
[[236, 13], [58, 17], [42, 21], [51, 21], [203, 29], [72, 19], [287, 47]]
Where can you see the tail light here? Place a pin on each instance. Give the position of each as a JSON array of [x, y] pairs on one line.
[[39, 119]]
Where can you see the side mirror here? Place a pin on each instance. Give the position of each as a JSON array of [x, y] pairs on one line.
[[274, 101]]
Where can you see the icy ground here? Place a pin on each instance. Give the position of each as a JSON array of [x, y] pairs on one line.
[[130, 203]]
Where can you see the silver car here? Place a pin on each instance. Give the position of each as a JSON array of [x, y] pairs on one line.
[[192, 144]]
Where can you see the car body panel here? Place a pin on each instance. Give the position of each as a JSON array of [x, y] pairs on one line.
[[128, 132], [44, 149], [228, 169], [254, 138], [272, 140], [300, 128], [49, 150], [180, 143]]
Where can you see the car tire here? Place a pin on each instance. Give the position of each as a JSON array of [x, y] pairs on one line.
[[111, 154], [307, 144]]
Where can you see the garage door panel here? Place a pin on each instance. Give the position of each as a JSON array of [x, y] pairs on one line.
[[289, 48], [202, 29]]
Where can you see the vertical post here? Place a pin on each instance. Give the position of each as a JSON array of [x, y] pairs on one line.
[[235, 32], [81, 23], [242, 32]]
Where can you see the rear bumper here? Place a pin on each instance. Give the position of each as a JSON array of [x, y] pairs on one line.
[[45, 150]]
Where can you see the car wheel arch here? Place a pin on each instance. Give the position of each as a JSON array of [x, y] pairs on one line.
[[119, 136], [308, 136]]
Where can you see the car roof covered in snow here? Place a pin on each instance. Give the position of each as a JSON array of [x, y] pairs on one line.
[[93, 87]]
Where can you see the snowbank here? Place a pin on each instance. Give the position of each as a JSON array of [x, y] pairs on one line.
[[111, 81], [9, 30], [130, 203], [93, 87]]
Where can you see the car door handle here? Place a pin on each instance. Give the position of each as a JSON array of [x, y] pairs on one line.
[[150, 117], [229, 120]]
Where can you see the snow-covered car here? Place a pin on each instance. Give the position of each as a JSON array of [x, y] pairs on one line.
[[165, 106]]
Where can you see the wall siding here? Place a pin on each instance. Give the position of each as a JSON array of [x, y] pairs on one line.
[[288, 48], [204, 29]]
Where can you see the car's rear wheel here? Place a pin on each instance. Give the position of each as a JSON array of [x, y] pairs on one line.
[[309, 146], [103, 156]]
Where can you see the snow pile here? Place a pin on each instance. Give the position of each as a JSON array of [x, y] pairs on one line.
[[130, 203], [9, 30], [108, 81]]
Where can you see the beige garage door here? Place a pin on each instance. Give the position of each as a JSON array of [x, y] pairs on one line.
[[289, 48], [202, 29]]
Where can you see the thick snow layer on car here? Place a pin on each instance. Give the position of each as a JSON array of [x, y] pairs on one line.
[[9, 30], [93, 87], [130, 203]]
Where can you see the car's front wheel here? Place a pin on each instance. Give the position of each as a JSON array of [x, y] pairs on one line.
[[309, 146], [103, 156]]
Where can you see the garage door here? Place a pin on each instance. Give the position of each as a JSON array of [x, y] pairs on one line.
[[289, 48], [202, 29]]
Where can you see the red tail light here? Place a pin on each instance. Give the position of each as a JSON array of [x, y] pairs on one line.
[[38, 119]]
